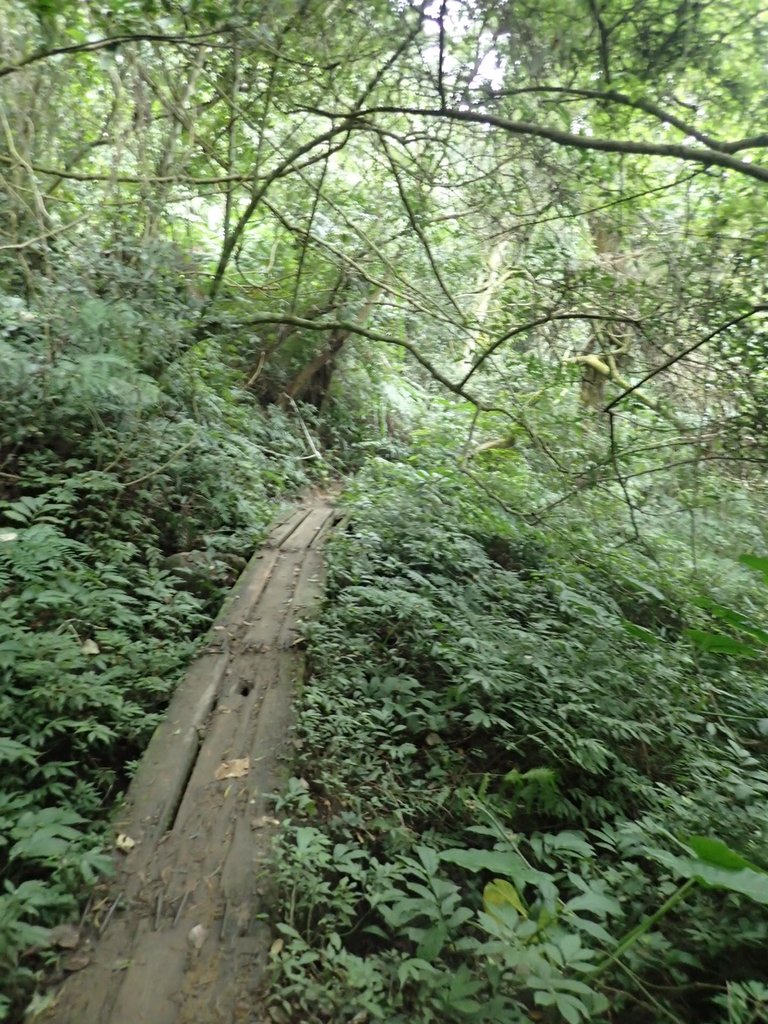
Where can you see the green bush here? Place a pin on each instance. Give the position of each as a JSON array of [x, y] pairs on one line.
[[123, 444], [503, 748]]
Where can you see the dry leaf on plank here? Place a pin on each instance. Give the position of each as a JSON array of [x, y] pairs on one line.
[[234, 769]]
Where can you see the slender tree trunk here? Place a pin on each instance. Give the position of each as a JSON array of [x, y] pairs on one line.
[[488, 285]]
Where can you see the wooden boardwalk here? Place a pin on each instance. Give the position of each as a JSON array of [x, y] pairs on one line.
[[178, 938]]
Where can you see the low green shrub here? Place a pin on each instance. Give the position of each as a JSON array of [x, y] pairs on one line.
[[117, 451], [503, 747]]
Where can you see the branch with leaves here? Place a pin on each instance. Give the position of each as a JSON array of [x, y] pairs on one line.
[[703, 155]]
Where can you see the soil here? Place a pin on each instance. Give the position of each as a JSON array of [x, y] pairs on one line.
[[181, 936]]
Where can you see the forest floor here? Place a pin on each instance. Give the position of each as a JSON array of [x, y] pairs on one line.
[[179, 936]]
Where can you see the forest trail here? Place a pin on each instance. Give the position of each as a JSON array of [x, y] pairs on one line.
[[177, 938]]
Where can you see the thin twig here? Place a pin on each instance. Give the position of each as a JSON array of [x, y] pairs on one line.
[[763, 308], [620, 477], [165, 465], [110, 912], [316, 454], [182, 904]]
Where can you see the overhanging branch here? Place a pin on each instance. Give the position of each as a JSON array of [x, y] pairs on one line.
[[686, 352], [524, 328], [702, 155], [646, 107], [109, 43], [365, 332]]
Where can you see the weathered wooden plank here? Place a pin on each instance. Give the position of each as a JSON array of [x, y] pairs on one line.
[[202, 842], [308, 530], [286, 529]]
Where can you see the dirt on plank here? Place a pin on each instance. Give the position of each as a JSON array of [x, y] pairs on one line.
[[178, 937]]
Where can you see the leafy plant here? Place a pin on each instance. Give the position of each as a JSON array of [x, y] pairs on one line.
[[510, 758]]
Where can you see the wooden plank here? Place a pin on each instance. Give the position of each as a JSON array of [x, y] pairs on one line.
[[202, 842], [281, 535], [307, 530]]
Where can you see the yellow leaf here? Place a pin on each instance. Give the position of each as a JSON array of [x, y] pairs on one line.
[[500, 893], [237, 768]]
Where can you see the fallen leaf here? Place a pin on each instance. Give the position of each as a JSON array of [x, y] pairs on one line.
[[124, 843], [75, 961], [432, 739], [196, 936], [263, 821], [234, 769], [90, 647], [276, 948], [65, 936]]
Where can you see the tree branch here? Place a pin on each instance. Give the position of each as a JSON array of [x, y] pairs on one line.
[[417, 229], [703, 155], [284, 167], [647, 107], [131, 179], [364, 332], [108, 43], [685, 352], [523, 328], [603, 33]]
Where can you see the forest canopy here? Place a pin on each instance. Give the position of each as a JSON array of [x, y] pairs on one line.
[[472, 184], [500, 268]]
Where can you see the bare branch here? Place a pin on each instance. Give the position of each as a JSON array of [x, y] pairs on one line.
[[647, 107], [702, 155], [603, 33], [364, 332], [524, 328], [441, 58], [418, 231], [46, 235], [685, 352], [109, 43], [131, 179], [287, 166]]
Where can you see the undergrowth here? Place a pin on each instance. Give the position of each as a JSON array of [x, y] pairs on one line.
[[124, 441], [508, 745]]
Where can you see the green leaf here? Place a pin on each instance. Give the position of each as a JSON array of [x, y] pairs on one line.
[[594, 902], [648, 588], [498, 862], [570, 1008], [429, 859], [716, 866], [432, 942], [734, 619], [12, 750], [499, 893], [746, 882], [756, 563], [717, 643], [44, 844], [718, 854], [641, 633]]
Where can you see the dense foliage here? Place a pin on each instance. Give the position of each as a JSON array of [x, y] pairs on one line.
[[507, 740], [507, 264], [107, 470]]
